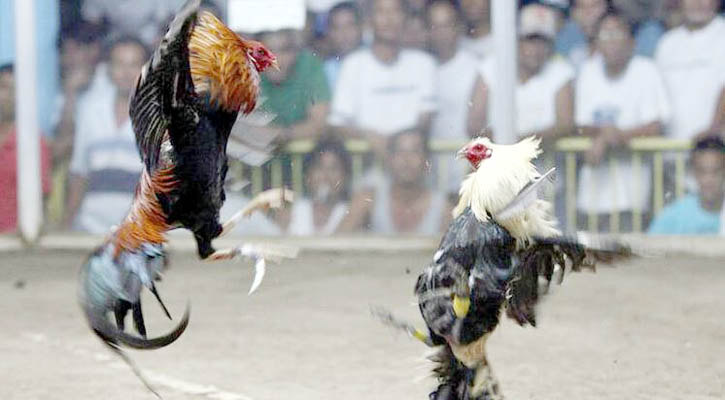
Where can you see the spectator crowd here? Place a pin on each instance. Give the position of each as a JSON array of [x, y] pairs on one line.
[[397, 74]]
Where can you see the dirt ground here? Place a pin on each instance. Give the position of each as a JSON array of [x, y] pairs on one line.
[[648, 329]]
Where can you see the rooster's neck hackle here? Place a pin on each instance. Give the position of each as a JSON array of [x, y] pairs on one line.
[[146, 221], [497, 181], [221, 67]]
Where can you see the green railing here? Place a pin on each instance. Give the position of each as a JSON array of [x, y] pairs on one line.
[[288, 169]]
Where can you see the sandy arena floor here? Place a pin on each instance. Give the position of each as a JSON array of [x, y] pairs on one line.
[[648, 329]]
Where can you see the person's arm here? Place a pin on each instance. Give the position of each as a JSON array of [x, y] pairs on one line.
[[564, 124], [360, 208], [312, 126], [76, 190], [478, 110]]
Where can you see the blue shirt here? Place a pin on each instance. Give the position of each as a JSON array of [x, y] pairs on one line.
[[47, 20], [686, 217]]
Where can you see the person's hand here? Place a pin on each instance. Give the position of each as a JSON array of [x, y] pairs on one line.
[[612, 135], [596, 153]]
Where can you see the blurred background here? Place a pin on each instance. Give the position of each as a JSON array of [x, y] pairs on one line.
[[374, 97]]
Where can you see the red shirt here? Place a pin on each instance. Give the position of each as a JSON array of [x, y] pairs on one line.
[[8, 180]]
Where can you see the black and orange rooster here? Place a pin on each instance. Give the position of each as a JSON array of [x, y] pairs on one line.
[[187, 98]]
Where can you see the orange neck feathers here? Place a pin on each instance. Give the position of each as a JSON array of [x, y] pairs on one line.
[[220, 65], [146, 222]]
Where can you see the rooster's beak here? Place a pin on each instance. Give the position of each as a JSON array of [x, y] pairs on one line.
[[275, 65], [461, 153]]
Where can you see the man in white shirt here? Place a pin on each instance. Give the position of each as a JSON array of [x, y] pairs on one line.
[[456, 76], [544, 93], [384, 89], [692, 61], [105, 164], [477, 40], [618, 97]]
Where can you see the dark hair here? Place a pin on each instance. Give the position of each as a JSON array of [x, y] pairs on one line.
[[124, 40], [346, 6], [83, 32], [613, 13], [712, 142], [9, 67], [330, 145]]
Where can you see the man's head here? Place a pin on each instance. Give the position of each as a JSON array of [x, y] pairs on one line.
[[416, 33], [388, 19], [708, 166], [345, 28], [615, 41], [537, 30], [698, 13], [443, 19], [7, 93], [587, 13], [80, 46], [476, 12], [407, 156], [285, 45], [126, 56]]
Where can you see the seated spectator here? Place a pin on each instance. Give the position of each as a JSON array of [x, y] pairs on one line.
[[692, 61], [105, 164], [573, 41], [698, 213], [477, 39], [456, 75], [297, 94], [345, 35], [324, 206], [544, 93], [619, 96], [416, 34], [8, 153], [400, 201], [385, 88]]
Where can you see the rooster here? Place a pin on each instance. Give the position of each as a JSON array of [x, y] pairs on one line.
[[501, 241], [187, 98]]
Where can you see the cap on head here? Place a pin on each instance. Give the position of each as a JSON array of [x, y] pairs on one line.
[[537, 20], [475, 152]]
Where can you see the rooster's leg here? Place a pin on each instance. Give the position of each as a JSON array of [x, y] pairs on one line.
[[272, 198]]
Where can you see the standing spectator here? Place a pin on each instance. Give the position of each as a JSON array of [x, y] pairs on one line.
[[698, 213], [105, 164], [384, 88], [8, 153], [401, 202], [692, 61], [544, 93], [297, 94], [80, 52], [456, 76], [574, 39], [345, 35], [619, 96], [478, 39], [324, 207]]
